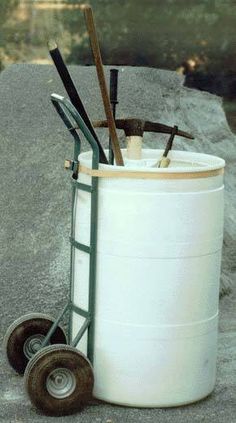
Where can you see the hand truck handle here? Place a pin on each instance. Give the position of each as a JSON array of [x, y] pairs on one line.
[[73, 121]]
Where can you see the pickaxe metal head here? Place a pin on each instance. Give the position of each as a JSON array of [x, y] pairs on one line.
[[132, 126]]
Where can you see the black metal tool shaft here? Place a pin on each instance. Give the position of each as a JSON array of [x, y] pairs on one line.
[[165, 161], [114, 102], [170, 141], [73, 94]]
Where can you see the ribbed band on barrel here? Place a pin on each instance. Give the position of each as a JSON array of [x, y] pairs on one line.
[[149, 175]]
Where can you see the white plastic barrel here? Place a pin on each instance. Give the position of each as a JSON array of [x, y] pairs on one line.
[[158, 270]]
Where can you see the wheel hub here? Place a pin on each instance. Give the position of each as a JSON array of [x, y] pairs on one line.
[[61, 383], [33, 344]]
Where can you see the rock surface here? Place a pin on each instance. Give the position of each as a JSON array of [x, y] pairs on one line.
[[35, 210]]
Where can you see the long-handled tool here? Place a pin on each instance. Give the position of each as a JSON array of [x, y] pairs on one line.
[[114, 102], [73, 93], [88, 14], [134, 129], [165, 161]]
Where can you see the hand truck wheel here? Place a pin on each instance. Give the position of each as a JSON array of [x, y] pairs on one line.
[[59, 380], [24, 338]]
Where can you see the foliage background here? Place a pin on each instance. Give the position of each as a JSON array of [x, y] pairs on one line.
[[195, 37], [159, 33]]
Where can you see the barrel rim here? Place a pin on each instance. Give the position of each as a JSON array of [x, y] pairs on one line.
[[210, 166]]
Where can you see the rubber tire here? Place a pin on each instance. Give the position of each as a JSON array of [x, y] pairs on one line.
[[49, 359], [23, 328]]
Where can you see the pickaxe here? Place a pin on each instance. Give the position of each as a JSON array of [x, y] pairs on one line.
[[134, 129]]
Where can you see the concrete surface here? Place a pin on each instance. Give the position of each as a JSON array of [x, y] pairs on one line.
[[35, 215]]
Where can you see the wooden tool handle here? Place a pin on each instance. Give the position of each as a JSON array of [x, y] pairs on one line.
[[88, 14]]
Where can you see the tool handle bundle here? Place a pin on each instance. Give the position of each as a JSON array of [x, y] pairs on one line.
[[134, 128]]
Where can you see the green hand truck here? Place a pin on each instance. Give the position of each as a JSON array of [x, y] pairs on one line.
[[58, 378]]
